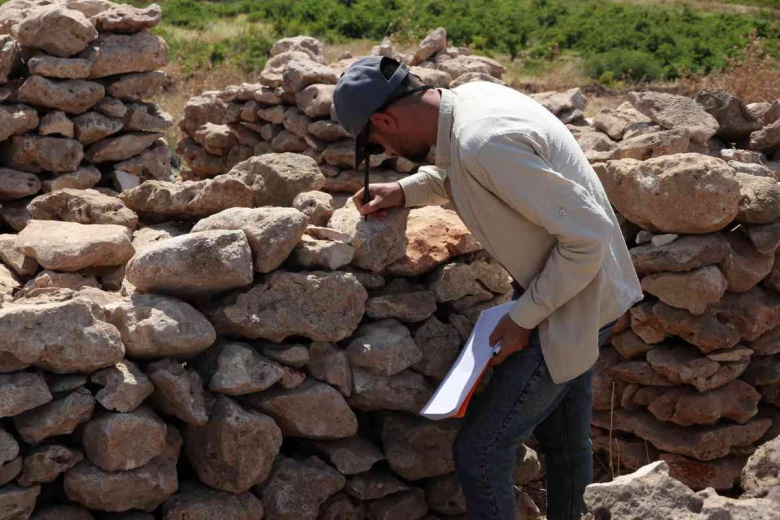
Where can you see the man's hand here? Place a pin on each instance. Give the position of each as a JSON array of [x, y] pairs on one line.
[[513, 338], [383, 195]]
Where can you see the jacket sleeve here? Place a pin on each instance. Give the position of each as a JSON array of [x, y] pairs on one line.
[[509, 167], [425, 188]]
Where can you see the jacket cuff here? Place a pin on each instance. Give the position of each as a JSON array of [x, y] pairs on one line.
[[526, 313], [415, 190]]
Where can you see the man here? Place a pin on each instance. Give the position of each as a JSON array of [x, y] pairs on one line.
[[520, 182]]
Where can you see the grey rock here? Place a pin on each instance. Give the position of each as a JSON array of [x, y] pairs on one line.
[[278, 178], [124, 441], [125, 387], [384, 347], [178, 391], [21, 391], [235, 368], [328, 363], [417, 448], [59, 417], [45, 464]]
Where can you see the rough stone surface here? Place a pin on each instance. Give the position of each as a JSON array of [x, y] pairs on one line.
[[299, 74], [143, 488], [384, 347], [113, 54], [70, 246], [653, 144], [198, 263], [692, 291], [59, 417], [278, 178], [479, 279], [684, 254], [440, 346], [296, 489], [124, 441], [127, 19], [405, 391], [313, 410], [73, 96], [125, 387], [321, 306], [684, 364], [18, 502], [137, 86], [409, 307], [197, 502], [178, 391], [21, 391], [235, 368], [329, 364], [35, 154], [120, 148], [83, 207], [745, 266], [681, 193], [316, 205], [734, 119], [91, 127], [673, 111], [52, 28], [685, 406], [352, 455], [57, 123], [417, 448], [17, 119], [721, 474], [235, 449], [82, 179]]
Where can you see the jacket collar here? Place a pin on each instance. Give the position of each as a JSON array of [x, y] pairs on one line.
[[446, 116]]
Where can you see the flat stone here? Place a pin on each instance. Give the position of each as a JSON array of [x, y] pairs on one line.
[[352, 455], [328, 131], [721, 474], [235, 449], [705, 331], [91, 127], [767, 344], [17, 119], [639, 372], [752, 313], [125, 387], [329, 364], [137, 86], [736, 401], [56, 123], [766, 139], [36, 154], [21, 391], [69, 246], [673, 111], [158, 201], [178, 391], [83, 207], [73, 96], [684, 254], [16, 185], [144, 488], [312, 410], [693, 290], [698, 442], [53, 28], [278, 178], [417, 448], [291, 378], [195, 501], [763, 370], [384, 347], [113, 54], [374, 484], [653, 144], [457, 280], [198, 263], [65, 337], [58, 68], [299, 74], [681, 193], [685, 365], [736, 122], [146, 117], [82, 179], [312, 253], [406, 391], [331, 304], [629, 345], [127, 19], [745, 266], [18, 502], [440, 346], [124, 441], [235, 368], [216, 139], [121, 148], [614, 122], [58, 417], [296, 489], [112, 107]]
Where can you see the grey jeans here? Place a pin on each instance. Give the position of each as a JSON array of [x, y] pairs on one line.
[[521, 400]]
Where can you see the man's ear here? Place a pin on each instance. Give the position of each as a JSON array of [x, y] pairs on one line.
[[384, 122]]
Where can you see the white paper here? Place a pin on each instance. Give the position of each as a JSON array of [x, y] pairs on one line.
[[463, 375]]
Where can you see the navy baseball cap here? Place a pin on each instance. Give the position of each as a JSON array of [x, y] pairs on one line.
[[367, 87]]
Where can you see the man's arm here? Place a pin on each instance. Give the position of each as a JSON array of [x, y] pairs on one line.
[[425, 188], [509, 167]]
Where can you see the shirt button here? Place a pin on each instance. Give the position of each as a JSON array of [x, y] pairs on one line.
[[563, 212]]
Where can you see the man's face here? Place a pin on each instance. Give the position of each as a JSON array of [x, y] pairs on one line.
[[391, 130]]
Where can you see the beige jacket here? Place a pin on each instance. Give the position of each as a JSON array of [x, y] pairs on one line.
[[521, 183]]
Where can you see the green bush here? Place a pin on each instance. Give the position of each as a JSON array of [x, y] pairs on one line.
[[626, 65]]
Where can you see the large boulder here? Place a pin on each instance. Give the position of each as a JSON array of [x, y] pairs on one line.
[[159, 201], [49, 26], [235, 449], [154, 326], [64, 337], [681, 193], [113, 54], [736, 122], [321, 306], [272, 232], [73, 96], [198, 263], [313, 410], [673, 111], [70, 246], [82, 206], [278, 178]]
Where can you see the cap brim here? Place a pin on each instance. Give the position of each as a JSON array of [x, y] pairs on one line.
[[361, 146]]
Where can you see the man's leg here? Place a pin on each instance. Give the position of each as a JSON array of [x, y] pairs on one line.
[[520, 395], [564, 439]]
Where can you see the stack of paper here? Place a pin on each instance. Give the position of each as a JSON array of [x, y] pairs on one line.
[[453, 395]]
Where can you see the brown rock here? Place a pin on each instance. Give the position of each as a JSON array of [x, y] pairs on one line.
[[615, 122], [445, 496], [69, 246], [767, 344], [296, 356], [693, 290], [681, 193], [480, 278], [745, 267], [235, 368], [760, 202], [157, 201], [17, 119], [351, 455], [153, 163], [752, 313], [44, 464], [735, 120], [16, 185], [278, 178], [57, 123], [178, 391], [113, 54], [146, 117], [705, 331], [82, 179], [760, 474], [417, 448], [764, 370], [137, 86], [59, 68], [639, 372], [59, 417], [685, 365], [91, 127], [721, 474], [315, 100], [21, 392], [653, 144], [235, 449], [17, 502], [766, 139], [54, 29], [684, 254], [329, 364], [127, 19], [316, 205], [82, 206], [405, 391], [198, 263], [123, 147], [272, 232], [36, 154], [306, 44], [197, 502], [399, 506], [629, 345], [143, 488], [299, 74], [685, 406], [698, 442], [321, 306], [124, 441], [409, 307], [385, 347], [312, 410], [765, 238], [440, 346], [52, 279], [328, 131], [374, 484], [125, 387], [73, 96], [673, 111], [60, 512]]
